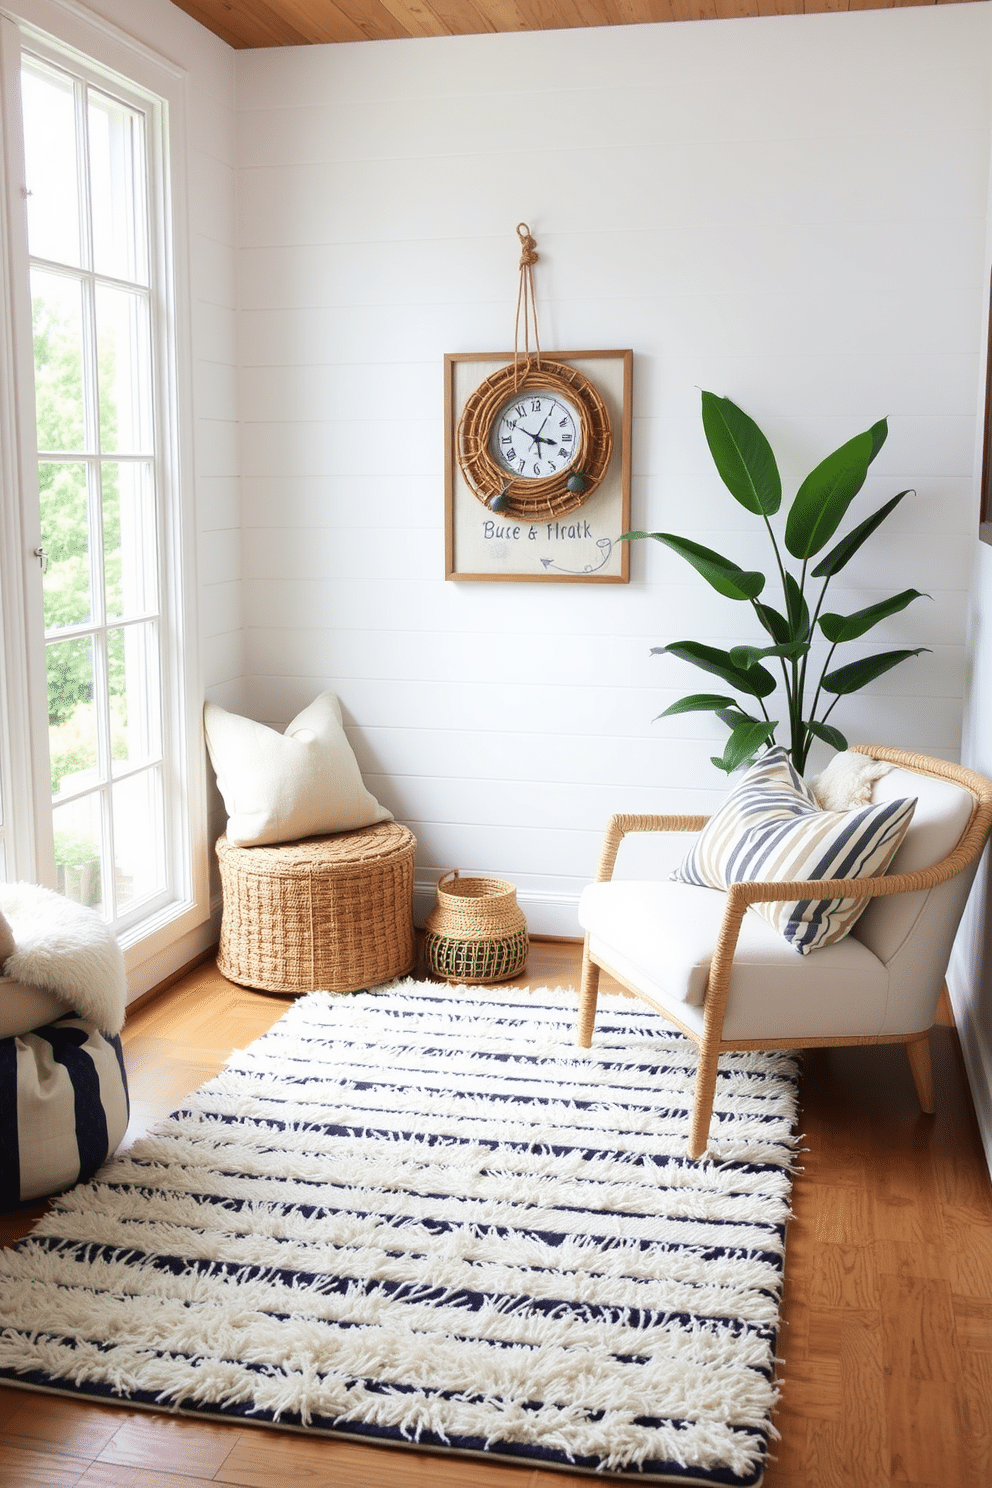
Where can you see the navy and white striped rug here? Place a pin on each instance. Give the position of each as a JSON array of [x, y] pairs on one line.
[[423, 1216]]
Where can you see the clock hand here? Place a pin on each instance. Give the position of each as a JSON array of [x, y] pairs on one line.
[[537, 438]]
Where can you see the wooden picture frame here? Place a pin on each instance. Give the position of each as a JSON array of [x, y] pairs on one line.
[[579, 547]]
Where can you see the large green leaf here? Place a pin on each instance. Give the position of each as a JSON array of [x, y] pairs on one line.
[[755, 680], [824, 496], [849, 545], [698, 702], [879, 434], [798, 610], [734, 716], [742, 455], [827, 733], [725, 576], [858, 674], [745, 656], [744, 743], [840, 628], [776, 624]]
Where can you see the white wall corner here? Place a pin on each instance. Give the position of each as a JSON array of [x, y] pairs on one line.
[[975, 1049], [968, 984]]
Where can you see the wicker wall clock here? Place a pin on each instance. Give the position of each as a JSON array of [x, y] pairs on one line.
[[534, 443], [537, 458]]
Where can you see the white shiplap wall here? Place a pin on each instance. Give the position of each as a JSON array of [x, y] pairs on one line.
[[788, 210]]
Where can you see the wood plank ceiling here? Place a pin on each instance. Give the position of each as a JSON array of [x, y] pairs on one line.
[[265, 23]]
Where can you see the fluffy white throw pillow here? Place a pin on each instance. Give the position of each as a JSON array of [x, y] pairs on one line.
[[847, 781], [67, 949], [6, 941], [280, 787]]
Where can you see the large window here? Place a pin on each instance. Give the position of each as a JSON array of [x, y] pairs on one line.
[[90, 311], [87, 179]]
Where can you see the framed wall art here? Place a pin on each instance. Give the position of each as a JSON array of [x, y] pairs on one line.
[[537, 466]]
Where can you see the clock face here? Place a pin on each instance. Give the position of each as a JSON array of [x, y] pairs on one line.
[[535, 434]]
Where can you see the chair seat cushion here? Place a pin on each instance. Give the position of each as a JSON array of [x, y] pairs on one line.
[[660, 938], [770, 827]]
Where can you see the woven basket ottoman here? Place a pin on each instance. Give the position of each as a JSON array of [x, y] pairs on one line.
[[329, 913]]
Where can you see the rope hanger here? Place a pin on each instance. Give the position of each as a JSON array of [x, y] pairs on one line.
[[565, 488], [526, 306]]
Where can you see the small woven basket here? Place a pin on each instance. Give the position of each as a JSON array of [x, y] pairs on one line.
[[477, 932]]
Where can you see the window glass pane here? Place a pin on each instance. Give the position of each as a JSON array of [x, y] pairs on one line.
[[72, 716], [139, 848], [135, 695], [65, 538], [57, 313], [130, 547], [72, 728], [120, 244], [49, 112], [78, 839], [125, 370]]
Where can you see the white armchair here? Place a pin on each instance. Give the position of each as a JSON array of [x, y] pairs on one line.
[[728, 980]]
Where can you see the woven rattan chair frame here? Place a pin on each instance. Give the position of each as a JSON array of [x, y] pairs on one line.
[[711, 1042]]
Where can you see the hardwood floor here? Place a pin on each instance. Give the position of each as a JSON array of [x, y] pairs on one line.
[[886, 1346]]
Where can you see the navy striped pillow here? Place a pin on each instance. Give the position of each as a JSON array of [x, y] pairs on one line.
[[63, 1107], [770, 828]]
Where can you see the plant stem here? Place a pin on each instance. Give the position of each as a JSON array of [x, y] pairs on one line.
[[819, 686], [807, 737], [790, 670]]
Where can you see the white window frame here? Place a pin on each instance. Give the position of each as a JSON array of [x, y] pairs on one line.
[[60, 30]]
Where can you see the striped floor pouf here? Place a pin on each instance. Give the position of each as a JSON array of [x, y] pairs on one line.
[[63, 1107]]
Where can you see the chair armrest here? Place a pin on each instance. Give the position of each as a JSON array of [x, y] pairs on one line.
[[753, 892], [618, 827], [741, 895]]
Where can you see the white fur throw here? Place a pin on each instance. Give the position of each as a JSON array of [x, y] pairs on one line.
[[67, 949], [847, 781], [6, 941]]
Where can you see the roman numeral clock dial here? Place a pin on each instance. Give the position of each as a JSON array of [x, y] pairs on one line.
[[535, 436], [534, 440]]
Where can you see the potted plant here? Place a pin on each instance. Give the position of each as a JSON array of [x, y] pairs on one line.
[[77, 867], [748, 469]]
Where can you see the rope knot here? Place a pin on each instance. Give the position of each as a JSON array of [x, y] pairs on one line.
[[526, 317], [528, 244]]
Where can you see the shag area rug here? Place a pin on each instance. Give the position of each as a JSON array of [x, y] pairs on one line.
[[423, 1217]]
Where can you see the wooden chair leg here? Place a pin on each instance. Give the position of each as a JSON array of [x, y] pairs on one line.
[[588, 997], [702, 1106], [918, 1052]]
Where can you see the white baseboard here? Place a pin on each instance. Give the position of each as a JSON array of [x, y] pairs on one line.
[[146, 974], [547, 914]]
